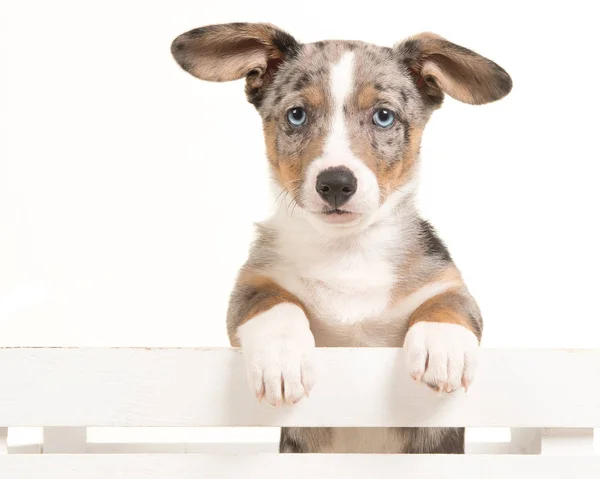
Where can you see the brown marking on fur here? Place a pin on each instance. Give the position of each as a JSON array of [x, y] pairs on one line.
[[279, 295], [422, 271], [449, 307], [270, 133], [450, 273], [436, 310], [391, 177], [363, 149], [263, 294], [366, 97], [314, 96], [288, 169], [455, 305]]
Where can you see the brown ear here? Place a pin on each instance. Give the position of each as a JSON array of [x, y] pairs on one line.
[[442, 67], [231, 51]]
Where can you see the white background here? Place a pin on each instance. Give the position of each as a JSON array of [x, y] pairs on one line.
[[128, 188]]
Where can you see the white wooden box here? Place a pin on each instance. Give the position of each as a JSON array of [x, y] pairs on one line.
[[549, 398]]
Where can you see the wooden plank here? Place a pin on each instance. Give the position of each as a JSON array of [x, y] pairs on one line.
[[25, 440], [488, 448], [217, 448], [64, 440], [567, 442], [25, 449], [240, 448], [356, 387], [3, 440], [273, 466], [526, 440], [182, 448]]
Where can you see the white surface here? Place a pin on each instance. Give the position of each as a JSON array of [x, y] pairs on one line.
[[567, 442], [114, 225], [295, 466], [64, 440], [173, 387]]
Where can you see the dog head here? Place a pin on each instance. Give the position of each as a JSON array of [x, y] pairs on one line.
[[342, 119]]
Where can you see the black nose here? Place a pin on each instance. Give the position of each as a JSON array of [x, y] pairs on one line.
[[336, 185]]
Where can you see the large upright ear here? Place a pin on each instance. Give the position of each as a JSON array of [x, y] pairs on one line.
[[232, 51], [440, 66]]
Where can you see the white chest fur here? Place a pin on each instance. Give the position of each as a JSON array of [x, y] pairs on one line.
[[343, 291], [345, 284]]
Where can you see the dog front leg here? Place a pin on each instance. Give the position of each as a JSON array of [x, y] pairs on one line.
[[442, 342], [271, 326]]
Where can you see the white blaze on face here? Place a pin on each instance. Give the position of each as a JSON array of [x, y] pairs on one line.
[[337, 146], [337, 150]]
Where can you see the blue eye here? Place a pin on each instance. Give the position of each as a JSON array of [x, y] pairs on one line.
[[383, 118], [297, 116]]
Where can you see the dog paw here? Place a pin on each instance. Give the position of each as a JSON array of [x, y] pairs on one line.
[[441, 355], [281, 371], [278, 347]]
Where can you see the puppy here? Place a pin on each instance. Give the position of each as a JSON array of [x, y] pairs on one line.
[[346, 260]]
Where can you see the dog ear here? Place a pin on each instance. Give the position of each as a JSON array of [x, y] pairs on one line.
[[231, 51], [440, 66]]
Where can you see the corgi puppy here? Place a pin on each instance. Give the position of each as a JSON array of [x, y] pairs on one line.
[[346, 260]]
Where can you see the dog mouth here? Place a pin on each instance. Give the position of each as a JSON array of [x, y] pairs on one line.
[[336, 211], [338, 216]]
